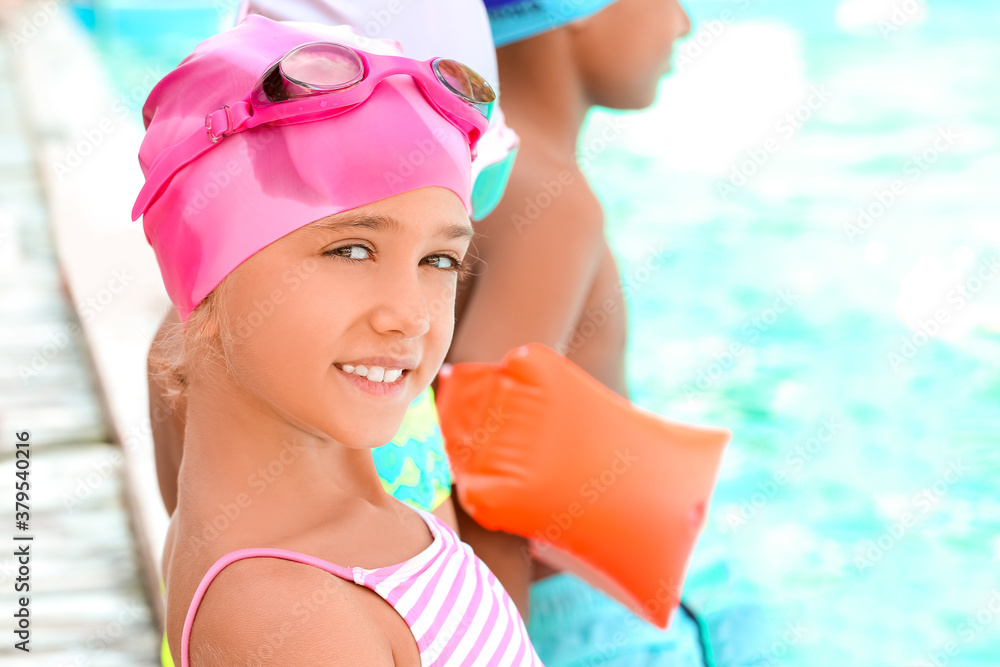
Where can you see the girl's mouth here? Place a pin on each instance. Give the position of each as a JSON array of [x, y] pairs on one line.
[[386, 381], [373, 373]]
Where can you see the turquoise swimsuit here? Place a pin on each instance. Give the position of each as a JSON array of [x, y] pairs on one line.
[[413, 466]]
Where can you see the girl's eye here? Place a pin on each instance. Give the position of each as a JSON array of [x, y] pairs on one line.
[[446, 262], [353, 252]]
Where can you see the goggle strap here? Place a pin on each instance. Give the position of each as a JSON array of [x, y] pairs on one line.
[[161, 173], [218, 125], [227, 120]]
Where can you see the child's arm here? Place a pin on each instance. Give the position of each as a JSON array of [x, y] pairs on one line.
[[532, 281], [535, 273]]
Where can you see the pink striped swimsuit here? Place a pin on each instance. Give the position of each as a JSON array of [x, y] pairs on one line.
[[456, 609]]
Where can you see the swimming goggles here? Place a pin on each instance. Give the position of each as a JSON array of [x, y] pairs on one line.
[[321, 80]]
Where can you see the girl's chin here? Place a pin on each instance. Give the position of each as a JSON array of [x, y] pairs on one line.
[[369, 432]]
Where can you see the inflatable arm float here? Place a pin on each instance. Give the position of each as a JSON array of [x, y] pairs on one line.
[[603, 489]]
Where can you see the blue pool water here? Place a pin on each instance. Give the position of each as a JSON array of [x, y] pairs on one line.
[[806, 223], [858, 500]]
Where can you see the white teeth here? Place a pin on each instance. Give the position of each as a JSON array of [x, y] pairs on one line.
[[374, 373]]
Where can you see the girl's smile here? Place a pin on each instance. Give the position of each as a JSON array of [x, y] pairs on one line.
[[379, 376]]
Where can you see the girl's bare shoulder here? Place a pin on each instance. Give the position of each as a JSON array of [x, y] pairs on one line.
[[270, 611]]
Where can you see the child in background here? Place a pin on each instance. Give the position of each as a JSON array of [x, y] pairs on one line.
[[538, 273], [320, 565]]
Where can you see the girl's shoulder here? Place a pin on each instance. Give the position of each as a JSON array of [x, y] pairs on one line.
[[276, 606], [252, 608]]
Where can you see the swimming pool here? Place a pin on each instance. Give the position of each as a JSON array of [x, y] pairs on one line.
[[825, 230], [807, 223]]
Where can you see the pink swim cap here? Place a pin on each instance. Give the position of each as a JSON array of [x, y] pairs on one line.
[[258, 185]]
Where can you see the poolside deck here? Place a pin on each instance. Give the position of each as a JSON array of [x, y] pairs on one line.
[[89, 604]]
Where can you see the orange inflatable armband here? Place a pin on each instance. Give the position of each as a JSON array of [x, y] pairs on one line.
[[605, 490]]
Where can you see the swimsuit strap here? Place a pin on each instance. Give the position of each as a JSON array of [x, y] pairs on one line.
[[243, 554]]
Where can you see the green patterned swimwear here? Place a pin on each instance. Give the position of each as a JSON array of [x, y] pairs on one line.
[[413, 466]]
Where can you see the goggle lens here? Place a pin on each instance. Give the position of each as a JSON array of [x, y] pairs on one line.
[[465, 83], [325, 67]]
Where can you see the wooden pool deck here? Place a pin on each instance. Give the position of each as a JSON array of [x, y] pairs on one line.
[[69, 374]]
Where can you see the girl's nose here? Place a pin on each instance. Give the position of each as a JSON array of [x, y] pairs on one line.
[[403, 308]]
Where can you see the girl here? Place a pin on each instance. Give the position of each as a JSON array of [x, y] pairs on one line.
[[413, 466], [307, 196]]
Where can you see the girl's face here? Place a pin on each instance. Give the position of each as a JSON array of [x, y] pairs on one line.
[[338, 326]]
